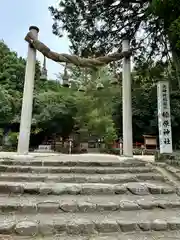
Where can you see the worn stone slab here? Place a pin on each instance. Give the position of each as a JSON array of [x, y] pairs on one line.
[[16, 157], [160, 189], [174, 223], [7, 227], [136, 188], [129, 205], [106, 226], [80, 178], [159, 225], [84, 205], [148, 204], [128, 225], [91, 197], [145, 225], [80, 226], [90, 170], [34, 224], [172, 169], [175, 171], [88, 203], [144, 188], [27, 228], [73, 162], [169, 235], [72, 157], [92, 207], [71, 205], [47, 230], [48, 206]]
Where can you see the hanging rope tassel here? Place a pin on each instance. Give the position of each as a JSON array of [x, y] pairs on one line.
[[65, 77]]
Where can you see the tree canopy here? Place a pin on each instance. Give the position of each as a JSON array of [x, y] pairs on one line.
[[86, 108], [105, 23], [98, 27], [56, 110]]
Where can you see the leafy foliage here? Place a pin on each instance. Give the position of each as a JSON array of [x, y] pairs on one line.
[[56, 110], [63, 111], [98, 27]]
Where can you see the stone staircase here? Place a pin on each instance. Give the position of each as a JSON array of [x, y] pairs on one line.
[[87, 198]]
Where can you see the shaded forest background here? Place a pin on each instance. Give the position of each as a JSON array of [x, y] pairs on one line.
[[94, 29]]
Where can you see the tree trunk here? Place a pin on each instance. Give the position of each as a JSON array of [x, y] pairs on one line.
[[175, 56], [176, 61]]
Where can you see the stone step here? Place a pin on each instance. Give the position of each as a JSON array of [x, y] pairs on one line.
[[91, 223], [80, 178], [155, 235], [74, 162], [174, 170], [88, 170], [66, 203], [137, 188]]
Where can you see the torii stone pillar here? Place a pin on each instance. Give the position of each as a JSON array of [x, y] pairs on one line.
[[127, 103], [26, 112]]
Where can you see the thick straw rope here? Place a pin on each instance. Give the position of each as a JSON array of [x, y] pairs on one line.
[[74, 59]]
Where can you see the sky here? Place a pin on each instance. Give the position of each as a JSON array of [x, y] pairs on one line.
[[16, 16]]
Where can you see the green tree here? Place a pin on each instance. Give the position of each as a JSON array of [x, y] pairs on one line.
[[94, 107], [12, 73], [98, 27], [6, 104], [54, 111], [12, 69]]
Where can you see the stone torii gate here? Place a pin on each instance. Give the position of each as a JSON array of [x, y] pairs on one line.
[[93, 63]]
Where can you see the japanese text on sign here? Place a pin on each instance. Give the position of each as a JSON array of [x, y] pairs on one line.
[[164, 117]]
